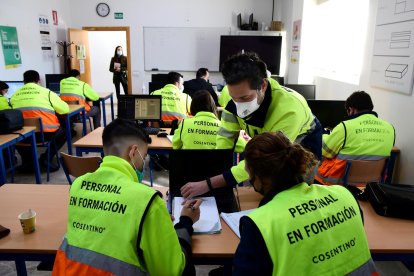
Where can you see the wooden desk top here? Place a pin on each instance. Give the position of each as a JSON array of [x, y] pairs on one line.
[[75, 107], [94, 140], [105, 95], [4, 138]]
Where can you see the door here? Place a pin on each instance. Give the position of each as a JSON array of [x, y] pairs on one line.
[[79, 51]]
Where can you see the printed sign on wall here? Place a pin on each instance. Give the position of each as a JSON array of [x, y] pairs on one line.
[[10, 45]]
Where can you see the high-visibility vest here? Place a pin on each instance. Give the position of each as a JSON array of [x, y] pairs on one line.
[[175, 104], [314, 230], [72, 89], [106, 210], [288, 112], [4, 103], [365, 137], [36, 101]]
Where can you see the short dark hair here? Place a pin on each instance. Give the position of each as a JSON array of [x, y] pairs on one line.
[[202, 101], [241, 67], [202, 72], [122, 128], [274, 157], [116, 48], [173, 77], [74, 73], [31, 76], [3, 85], [360, 100]]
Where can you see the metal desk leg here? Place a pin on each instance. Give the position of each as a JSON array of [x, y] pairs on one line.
[[3, 178], [68, 134], [35, 159], [391, 167], [84, 122], [112, 107], [103, 112], [21, 267]]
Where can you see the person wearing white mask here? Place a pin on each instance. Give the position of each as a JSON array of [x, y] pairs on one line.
[[175, 103], [257, 105], [119, 67]]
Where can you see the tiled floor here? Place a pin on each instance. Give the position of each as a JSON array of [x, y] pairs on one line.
[[160, 178]]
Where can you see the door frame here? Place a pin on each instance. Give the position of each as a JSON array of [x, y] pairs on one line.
[[126, 30]]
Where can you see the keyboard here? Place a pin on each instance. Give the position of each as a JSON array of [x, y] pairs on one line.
[[152, 130]]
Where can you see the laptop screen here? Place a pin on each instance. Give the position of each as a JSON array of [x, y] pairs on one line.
[[197, 165]]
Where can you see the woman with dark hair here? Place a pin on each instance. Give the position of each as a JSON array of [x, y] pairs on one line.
[[119, 66], [298, 229], [4, 102]]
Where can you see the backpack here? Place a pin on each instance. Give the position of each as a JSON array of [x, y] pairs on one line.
[[10, 120]]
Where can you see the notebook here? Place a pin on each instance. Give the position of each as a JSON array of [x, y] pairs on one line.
[[233, 220], [209, 222]]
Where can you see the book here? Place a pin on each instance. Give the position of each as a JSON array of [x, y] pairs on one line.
[[233, 220], [209, 222]]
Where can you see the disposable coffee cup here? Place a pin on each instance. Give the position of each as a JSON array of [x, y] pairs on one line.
[[28, 221]]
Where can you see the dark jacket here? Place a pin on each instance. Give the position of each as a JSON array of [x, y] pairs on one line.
[[123, 61], [192, 86]]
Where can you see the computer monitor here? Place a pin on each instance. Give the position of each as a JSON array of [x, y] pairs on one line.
[[308, 91], [251, 19], [239, 21], [330, 113], [197, 165], [53, 81], [13, 86], [279, 79], [140, 107]]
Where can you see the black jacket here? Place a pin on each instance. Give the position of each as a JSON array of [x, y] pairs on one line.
[[192, 86]]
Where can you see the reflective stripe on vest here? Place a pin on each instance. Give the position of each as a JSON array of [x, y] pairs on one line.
[[49, 120], [174, 102], [74, 97], [323, 223], [98, 260]]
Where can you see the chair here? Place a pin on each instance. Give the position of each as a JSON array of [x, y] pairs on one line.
[[37, 123], [77, 166], [361, 172], [77, 103]]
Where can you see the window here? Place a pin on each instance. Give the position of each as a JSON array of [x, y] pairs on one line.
[[335, 38]]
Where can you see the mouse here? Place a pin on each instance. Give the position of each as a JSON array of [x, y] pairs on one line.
[[162, 134]]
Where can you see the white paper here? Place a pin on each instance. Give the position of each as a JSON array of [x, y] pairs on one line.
[[170, 137], [209, 222], [117, 65], [233, 220]]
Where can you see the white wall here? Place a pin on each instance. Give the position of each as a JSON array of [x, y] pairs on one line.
[[24, 16], [101, 52], [165, 13], [393, 107]]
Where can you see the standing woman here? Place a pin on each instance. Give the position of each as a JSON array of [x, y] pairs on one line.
[[119, 66], [298, 229]]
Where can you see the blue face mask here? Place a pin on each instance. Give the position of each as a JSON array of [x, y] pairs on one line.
[[140, 174], [119, 53]]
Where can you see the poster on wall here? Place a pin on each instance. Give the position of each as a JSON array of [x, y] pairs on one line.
[[393, 54], [46, 43], [296, 33], [80, 51], [10, 46]]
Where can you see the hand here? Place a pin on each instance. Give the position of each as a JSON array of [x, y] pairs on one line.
[[191, 209], [118, 69], [192, 189], [245, 136]]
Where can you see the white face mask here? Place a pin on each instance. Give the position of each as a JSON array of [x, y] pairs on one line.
[[244, 109], [119, 53], [182, 88]]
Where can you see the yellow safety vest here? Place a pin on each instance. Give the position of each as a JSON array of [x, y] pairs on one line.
[[175, 104], [72, 89]]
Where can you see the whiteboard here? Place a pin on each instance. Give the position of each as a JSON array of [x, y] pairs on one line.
[[182, 48]]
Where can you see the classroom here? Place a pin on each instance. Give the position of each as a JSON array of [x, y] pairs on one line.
[[332, 47]]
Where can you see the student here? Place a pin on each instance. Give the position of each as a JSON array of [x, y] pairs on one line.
[[4, 102], [201, 82], [362, 136], [257, 106], [119, 66], [317, 230], [200, 131], [73, 89], [116, 225], [175, 104], [36, 101]]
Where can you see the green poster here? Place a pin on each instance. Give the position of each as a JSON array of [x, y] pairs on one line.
[[10, 45]]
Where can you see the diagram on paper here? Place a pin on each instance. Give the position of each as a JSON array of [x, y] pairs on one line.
[[393, 53]]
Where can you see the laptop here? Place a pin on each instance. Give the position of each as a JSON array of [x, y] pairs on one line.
[[197, 165]]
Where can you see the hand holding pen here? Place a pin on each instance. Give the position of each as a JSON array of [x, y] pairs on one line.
[[191, 209]]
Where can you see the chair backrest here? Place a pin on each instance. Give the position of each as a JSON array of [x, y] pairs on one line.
[[360, 172], [77, 166], [72, 102], [37, 123]]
